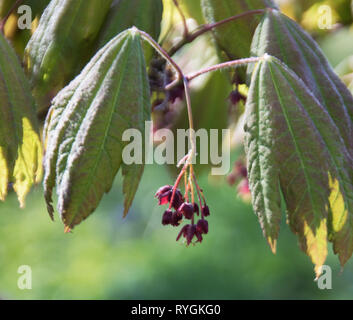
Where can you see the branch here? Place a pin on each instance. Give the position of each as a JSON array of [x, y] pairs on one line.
[[224, 65], [162, 52], [207, 27]]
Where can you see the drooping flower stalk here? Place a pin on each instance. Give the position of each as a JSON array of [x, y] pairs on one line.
[[183, 209]]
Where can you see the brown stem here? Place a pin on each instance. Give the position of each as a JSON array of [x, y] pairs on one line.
[[224, 65], [176, 184], [199, 190], [198, 193], [4, 20], [207, 27]]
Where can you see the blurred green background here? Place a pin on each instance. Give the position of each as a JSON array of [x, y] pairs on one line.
[[108, 257]]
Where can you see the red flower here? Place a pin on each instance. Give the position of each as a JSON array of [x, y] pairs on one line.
[[176, 218], [202, 226], [189, 232], [165, 193], [167, 217], [205, 211], [187, 209]]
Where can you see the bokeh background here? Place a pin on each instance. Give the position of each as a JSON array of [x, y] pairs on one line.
[[108, 257]]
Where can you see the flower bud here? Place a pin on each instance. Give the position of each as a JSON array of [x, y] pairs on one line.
[[187, 209], [205, 211], [167, 217], [202, 226]]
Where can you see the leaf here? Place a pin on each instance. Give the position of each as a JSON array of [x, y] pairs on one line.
[[281, 37], [292, 141], [62, 44], [234, 38], [192, 9], [85, 125], [145, 15], [20, 146]]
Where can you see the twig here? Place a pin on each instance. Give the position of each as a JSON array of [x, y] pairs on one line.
[[224, 65], [207, 27], [162, 52]]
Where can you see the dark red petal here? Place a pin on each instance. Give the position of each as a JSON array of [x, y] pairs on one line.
[[198, 236], [162, 190], [202, 226], [178, 199], [176, 218], [167, 217], [196, 208], [164, 198], [187, 209], [190, 233], [205, 210], [183, 231]]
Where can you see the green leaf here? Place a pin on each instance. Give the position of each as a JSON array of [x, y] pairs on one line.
[[292, 142], [193, 9], [145, 15], [20, 146], [281, 37], [85, 125], [62, 44], [234, 38]]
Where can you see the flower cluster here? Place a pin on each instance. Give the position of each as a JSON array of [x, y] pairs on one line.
[[179, 209]]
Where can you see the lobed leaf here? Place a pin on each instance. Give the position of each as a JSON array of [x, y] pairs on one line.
[[85, 125], [62, 44], [146, 15], [291, 140], [283, 38], [20, 146]]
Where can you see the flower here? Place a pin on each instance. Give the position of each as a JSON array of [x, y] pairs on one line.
[[187, 209], [176, 218], [202, 226], [189, 231], [165, 193], [167, 217], [205, 210]]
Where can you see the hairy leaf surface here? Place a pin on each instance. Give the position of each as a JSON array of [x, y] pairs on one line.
[[62, 44], [20, 146], [283, 38], [295, 147], [85, 125], [145, 15]]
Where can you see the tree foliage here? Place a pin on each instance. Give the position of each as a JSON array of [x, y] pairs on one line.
[[97, 68]]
